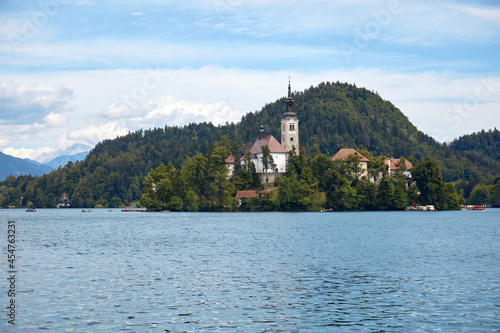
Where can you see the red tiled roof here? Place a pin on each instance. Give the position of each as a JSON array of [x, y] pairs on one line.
[[343, 153], [395, 161], [230, 159], [271, 142], [250, 194]]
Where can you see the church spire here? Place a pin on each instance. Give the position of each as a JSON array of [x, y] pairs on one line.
[[289, 89], [290, 124], [289, 112], [262, 133]]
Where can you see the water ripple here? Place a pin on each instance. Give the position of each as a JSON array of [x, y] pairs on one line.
[[275, 272]]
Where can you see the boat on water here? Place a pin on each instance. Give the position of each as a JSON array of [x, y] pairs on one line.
[[473, 207], [135, 209], [30, 210], [86, 211], [424, 208]]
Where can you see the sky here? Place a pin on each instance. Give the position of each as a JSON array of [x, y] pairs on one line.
[[81, 71]]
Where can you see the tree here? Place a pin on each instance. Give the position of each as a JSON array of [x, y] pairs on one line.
[[427, 175], [333, 187], [292, 163], [386, 192], [377, 168], [349, 198], [320, 165], [249, 177], [368, 192], [194, 171], [220, 192], [267, 159], [354, 169], [433, 190], [479, 195], [453, 200], [495, 193], [292, 194]]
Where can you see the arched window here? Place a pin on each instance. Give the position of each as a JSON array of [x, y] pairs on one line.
[[291, 139], [292, 127]]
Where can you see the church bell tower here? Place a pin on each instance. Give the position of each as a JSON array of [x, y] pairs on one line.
[[290, 125]]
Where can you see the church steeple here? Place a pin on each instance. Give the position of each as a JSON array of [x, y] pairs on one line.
[[289, 112], [290, 124], [262, 133]]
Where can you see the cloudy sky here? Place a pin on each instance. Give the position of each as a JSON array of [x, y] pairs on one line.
[[76, 71]]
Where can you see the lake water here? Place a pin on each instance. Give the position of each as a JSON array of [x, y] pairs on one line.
[[253, 272]]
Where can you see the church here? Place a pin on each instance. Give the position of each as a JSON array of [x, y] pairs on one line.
[[289, 139], [278, 151]]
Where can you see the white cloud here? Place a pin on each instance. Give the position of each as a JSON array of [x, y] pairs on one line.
[[94, 133], [121, 110], [265, 33], [4, 142], [180, 112], [488, 13], [31, 101], [217, 95], [27, 152], [55, 120], [84, 3]]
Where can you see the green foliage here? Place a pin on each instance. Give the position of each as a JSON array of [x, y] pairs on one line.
[[332, 116], [368, 193], [427, 174], [487, 142], [257, 205], [267, 159], [293, 195], [495, 193], [479, 196]]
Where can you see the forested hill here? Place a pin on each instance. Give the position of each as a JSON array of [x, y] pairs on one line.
[[484, 142], [332, 116], [340, 115]]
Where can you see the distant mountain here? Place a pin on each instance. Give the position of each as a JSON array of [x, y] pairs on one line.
[[63, 160], [76, 148], [44, 163], [32, 161], [10, 165]]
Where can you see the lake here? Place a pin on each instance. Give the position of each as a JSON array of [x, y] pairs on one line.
[[252, 272]]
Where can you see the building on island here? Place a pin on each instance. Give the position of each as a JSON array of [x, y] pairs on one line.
[[250, 194], [393, 164], [230, 164], [344, 153], [278, 151]]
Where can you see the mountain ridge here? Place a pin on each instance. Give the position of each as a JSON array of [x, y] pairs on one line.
[[11, 165], [74, 149], [15, 166], [62, 160]]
